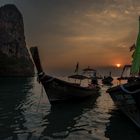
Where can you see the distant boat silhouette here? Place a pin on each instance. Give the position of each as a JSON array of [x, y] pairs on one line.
[[58, 90], [107, 80]]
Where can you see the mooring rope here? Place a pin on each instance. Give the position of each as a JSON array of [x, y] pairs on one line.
[[127, 91]]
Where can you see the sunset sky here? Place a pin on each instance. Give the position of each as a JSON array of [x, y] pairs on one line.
[[96, 33]]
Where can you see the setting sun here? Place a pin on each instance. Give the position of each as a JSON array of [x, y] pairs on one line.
[[118, 65]]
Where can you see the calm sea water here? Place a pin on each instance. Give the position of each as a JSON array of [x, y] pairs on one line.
[[25, 114]]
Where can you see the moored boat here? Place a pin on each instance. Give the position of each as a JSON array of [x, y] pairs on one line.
[[92, 74], [127, 96], [58, 90]]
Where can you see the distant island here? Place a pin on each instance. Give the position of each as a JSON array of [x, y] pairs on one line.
[[14, 57]]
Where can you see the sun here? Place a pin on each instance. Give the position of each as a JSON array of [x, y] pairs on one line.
[[118, 65]]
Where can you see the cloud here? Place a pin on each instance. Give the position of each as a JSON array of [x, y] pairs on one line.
[[94, 32]]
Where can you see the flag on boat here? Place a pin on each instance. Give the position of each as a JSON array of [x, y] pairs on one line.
[[136, 56], [77, 67], [132, 47]]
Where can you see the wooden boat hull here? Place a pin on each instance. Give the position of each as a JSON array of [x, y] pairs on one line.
[[127, 100], [59, 91]]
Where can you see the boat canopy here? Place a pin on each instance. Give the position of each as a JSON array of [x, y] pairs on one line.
[[88, 69], [124, 68]]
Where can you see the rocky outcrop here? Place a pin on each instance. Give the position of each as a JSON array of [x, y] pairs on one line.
[[14, 56]]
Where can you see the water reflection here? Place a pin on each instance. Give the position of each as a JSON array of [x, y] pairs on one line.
[[13, 94], [63, 119], [23, 116], [121, 128]]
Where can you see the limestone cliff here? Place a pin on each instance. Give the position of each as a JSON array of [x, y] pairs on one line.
[[14, 56]]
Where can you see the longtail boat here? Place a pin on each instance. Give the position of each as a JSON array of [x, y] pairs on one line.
[[59, 90], [127, 96]]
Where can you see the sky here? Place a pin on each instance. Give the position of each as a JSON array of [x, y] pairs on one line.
[[95, 33]]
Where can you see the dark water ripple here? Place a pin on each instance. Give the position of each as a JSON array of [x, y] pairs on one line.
[[25, 114]]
